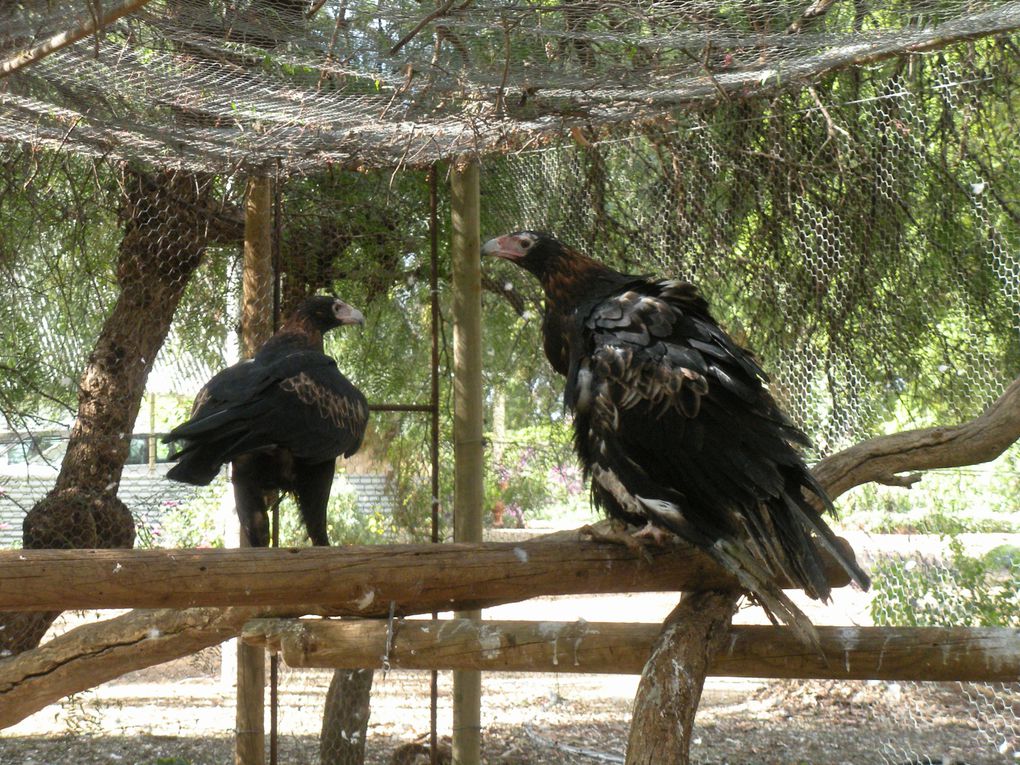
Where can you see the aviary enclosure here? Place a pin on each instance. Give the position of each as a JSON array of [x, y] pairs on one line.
[[840, 178]]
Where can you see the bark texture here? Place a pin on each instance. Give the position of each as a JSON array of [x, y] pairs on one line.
[[345, 717], [671, 684], [664, 736], [165, 221], [355, 580], [921, 654]]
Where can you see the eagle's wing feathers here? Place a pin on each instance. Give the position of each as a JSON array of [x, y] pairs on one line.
[[679, 430], [299, 401]]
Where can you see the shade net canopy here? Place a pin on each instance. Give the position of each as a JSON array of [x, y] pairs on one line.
[[218, 86]]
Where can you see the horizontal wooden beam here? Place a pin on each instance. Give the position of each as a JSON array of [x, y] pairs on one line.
[[849, 653], [361, 581]]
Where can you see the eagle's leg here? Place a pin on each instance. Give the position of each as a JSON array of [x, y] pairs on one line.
[[655, 535], [619, 533], [251, 512], [312, 488], [250, 500]]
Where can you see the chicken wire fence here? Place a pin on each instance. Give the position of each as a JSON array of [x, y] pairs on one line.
[[214, 86], [809, 222], [835, 229]]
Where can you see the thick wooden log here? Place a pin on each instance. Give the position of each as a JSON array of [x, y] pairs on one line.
[[95, 653], [978, 654], [354, 581]]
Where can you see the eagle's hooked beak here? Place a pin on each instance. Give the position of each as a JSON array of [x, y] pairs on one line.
[[346, 314], [507, 247]]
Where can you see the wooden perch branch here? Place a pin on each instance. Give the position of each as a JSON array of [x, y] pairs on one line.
[[95, 653], [670, 691], [92, 654], [848, 653], [357, 581], [71, 36], [882, 459], [354, 581]]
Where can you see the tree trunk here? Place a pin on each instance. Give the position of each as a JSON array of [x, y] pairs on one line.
[[670, 690], [345, 718], [165, 234], [665, 736]]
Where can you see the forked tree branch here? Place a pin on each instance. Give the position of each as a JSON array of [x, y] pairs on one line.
[[694, 646], [882, 459]]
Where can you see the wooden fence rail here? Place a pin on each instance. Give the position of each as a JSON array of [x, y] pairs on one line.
[[849, 653]]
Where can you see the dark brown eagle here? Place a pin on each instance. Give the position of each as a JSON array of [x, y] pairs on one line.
[[281, 418], [675, 426]]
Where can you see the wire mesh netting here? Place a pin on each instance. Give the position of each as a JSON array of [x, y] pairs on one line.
[[861, 234], [808, 222], [216, 85], [812, 231]]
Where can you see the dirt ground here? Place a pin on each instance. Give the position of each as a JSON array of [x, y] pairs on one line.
[[535, 719], [182, 713]]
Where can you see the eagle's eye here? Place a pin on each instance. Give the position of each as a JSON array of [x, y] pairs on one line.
[[526, 243]]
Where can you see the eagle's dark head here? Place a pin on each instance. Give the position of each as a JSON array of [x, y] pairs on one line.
[[324, 312], [566, 275], [534, 251]]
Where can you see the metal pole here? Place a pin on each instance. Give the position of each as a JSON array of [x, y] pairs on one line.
[[256, 328], [467, 426]]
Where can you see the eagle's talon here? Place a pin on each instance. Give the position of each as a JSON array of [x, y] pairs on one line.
[[618, 533]]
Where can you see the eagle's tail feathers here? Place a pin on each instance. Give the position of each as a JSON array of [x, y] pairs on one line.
[[759, 582]]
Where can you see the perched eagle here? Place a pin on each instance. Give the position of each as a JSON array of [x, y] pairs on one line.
[[281, 418], [674, 425]]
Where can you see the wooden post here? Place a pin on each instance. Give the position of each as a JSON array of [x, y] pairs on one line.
[[256, 328], [467, 426]]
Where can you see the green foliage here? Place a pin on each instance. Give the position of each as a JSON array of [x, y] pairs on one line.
[[196, 523], [346, 524], [58, 240], [531, 471], [199, 522], [963, 591], [979, 499], [851, 247]]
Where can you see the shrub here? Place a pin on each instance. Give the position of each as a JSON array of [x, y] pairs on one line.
[[963, 591]]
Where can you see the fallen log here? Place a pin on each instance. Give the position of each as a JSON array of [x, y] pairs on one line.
[[976, 654], [355, 581]]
